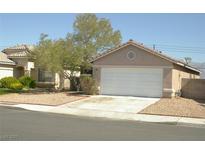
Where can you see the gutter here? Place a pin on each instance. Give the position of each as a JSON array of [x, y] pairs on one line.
[[188, 67]]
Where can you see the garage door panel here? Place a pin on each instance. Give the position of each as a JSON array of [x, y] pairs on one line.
[[131, 81], [5, 72]]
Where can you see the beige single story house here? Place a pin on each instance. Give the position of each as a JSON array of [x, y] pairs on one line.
[[16, 61], [135, 70]]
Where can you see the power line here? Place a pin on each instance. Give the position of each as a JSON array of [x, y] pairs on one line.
[[179, 46], [184, 44], [185, 49], [186, 52], [179, 49]]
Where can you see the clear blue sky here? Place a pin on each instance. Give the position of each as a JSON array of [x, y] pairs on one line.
[[178, 35]]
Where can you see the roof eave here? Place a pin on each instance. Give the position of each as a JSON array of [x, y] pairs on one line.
[[5, 63], [189, 67]]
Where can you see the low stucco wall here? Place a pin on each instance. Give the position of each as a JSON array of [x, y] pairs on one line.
[[193, 88], [179, 73]]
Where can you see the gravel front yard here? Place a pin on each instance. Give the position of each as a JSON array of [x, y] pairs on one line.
[[177, 107], [51, 98]]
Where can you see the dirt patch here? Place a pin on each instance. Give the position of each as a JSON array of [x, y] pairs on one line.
[[52, 99], [177, 107]]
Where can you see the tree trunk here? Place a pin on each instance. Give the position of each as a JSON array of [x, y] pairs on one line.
[[61, 77], [74, 83]]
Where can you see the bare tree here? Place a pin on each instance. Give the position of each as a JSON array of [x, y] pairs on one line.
[[187, 60]]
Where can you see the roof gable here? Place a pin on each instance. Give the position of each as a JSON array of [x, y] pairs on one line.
[[146, 49], [140, 58]]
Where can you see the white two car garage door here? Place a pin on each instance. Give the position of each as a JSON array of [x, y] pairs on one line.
[[146, 82]]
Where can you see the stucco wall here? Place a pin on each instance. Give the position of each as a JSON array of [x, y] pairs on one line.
[[66, 82], [34, 74], [167, 82], [193, 88], [25, 63], [178, 73], [22, 62], [18, 72]]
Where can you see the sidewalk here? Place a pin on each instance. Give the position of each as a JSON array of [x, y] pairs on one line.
[[115, 115]]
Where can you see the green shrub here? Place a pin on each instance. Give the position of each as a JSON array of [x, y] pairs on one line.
[[27, 82], [11, 83], [16, 86], [88, 85], [1, 84], [32, 84]]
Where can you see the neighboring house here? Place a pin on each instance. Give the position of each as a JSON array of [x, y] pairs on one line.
[[201, 67], [6, 66], [16, 61], [135, 70], [202, 72]]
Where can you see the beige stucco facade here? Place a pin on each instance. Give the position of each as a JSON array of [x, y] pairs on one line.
[[172, 73], [179, 73]]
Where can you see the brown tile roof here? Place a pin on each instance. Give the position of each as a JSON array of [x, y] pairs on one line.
[[18, 54], [140, 45], [18, 51], [5, 60]]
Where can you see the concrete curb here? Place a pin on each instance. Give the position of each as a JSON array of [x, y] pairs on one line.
[[32, 107], [191, 122], [181, 121]]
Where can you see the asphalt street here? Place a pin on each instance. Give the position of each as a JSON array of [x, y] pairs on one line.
[[19, 124]]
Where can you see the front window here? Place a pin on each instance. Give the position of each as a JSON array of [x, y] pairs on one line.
[[45, 76]]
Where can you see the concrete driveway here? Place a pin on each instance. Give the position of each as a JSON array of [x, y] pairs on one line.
[[113, 103]]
